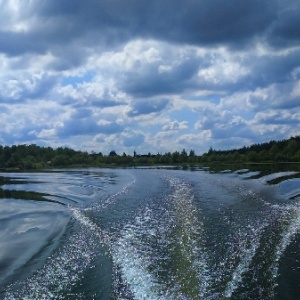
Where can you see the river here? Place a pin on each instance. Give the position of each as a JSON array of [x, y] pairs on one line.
[[150, 233]]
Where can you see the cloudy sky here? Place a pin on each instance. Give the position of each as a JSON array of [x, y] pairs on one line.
[[158, 76]]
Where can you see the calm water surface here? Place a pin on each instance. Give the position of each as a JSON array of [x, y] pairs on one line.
[[149, 234]]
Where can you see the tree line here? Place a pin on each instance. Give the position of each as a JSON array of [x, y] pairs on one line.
[[36, 157], [287, 150]]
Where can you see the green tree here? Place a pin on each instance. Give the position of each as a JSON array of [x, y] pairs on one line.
[[61, 160], [274, 151], [252, 156], [175, 157], [29, 162], [112, 153], [292, 148], [192, 153], [183, 156]]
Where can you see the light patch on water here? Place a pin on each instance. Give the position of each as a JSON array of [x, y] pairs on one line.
[[249, 174], [290, 188], [60, 272], [277, 175]]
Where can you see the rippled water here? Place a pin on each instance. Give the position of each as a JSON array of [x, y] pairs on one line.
[[149, 234]]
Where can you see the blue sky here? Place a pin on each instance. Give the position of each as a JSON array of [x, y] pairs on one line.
[[150, 76]]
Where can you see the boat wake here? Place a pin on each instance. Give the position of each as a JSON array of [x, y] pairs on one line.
[[167, 251]]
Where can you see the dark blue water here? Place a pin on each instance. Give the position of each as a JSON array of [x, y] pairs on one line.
[[149, 234]]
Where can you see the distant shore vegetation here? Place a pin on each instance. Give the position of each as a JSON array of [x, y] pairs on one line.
[[26, 157]]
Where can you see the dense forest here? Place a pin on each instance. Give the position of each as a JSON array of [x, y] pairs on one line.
[[36, 157]]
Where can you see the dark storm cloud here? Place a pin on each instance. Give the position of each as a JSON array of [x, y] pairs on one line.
[[150, 82], [15, 44], [105, 103], [111, 22], [89, 57], [192, 21], [105, 100], [86, 126], [272, 68], [286, 28], [70, 56], [147, 107], [83, 122], [279, 118]]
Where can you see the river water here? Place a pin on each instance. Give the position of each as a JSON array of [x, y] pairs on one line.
[[149, 234]]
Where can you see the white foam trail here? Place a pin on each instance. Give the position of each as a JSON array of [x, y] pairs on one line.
[[142, 283], [104, 238], [286, 238], [192, 231], [248, 251], [133, 266], [134, 261]]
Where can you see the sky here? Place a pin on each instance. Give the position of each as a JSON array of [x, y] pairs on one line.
[[150, 76]]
